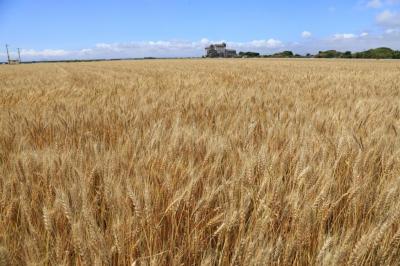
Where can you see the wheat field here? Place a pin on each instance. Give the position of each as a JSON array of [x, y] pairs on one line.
[[200, 162]]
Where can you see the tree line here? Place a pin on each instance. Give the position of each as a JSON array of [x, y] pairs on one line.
[[378, 53]]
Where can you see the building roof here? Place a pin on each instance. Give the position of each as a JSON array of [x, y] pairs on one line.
[[218, 45]]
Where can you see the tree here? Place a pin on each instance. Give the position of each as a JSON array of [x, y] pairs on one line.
[[249, 54], [329, 54], [378, 53], [284, 54], [347, 54]]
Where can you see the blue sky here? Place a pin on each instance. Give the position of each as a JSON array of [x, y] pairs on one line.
[[63, 29]]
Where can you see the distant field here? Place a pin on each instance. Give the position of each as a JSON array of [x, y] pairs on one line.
[[200, 162]]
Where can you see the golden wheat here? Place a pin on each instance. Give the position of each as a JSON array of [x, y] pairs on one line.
[[200, 162]]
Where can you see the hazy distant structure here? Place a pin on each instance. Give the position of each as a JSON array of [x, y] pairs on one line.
[[219, 50], [13, 61], [8, 54]]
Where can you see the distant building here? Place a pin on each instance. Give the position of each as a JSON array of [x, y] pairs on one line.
[[219, 50]]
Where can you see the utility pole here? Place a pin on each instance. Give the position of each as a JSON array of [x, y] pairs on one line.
[[8, 54], [19, 55]]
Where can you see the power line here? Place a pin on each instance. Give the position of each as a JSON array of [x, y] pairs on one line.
[[8, 54], [19, 55]]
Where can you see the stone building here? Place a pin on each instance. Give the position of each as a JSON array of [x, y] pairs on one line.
[[219, 50]]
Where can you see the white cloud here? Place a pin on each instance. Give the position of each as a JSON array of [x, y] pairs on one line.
[[347, 36], [353, 42], [44, 53], [161, 48], [103, 45], [379, 3], [181, 48], [392, 31], [306, 34], [344, 36], [393, 2], [270, 43], [388, 18], [374, 4], [205, 41]]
